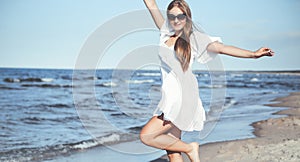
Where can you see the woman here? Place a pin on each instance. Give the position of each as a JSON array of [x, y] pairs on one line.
[[180, 108]]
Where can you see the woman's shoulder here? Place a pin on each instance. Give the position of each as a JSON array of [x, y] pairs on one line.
[[198, 33]]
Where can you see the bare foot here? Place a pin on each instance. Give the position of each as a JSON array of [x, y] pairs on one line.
[[194, 153]]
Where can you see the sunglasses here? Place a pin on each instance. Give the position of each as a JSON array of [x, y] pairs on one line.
[[179, 16]]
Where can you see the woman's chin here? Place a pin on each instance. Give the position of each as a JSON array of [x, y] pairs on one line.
[[177, 28]]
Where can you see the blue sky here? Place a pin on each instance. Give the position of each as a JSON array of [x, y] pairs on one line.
[[50, 33]]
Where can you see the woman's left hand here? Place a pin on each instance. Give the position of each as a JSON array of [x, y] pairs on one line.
[[263, 52]]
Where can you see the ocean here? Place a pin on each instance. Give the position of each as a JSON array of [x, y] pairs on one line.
[[47, 113]]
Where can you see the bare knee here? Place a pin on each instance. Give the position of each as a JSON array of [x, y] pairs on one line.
[[146, 138]]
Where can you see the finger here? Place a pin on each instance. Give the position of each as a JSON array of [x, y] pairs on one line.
[[267, 50], [270, 53]]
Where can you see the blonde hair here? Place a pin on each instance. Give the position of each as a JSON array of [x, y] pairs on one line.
[[182, 45]]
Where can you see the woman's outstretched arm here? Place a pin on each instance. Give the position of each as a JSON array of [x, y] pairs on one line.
[[217, 47], [155, 12]]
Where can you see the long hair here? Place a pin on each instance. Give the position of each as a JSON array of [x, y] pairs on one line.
[[182, 45]]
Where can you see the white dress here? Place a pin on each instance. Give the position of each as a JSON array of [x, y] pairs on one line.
[[180, 102]]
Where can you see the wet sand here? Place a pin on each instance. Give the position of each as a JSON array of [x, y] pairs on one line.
[[278, 139]]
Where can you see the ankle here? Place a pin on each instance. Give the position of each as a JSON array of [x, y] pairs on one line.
[[190, 148], [193, 154]]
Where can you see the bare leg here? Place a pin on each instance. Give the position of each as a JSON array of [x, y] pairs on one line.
[[173, 155], [155, 134]]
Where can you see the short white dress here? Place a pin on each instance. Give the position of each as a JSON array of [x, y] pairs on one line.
[[180, 102]]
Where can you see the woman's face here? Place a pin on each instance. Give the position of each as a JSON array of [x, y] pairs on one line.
[[177, 18]]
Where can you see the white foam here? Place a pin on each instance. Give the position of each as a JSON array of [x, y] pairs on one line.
[[254, 80], [85, 145], [148, 74], [47, 79], [16, 80], [232, 102], [98, 141], [236, 75], [140, 81], [109, 84], [111, 138], [215, 86]]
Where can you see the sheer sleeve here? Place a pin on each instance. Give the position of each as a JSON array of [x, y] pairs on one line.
[[198, 39], [166, 32], [199, 42]]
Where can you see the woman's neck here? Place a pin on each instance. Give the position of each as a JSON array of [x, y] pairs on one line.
[[178, 33]]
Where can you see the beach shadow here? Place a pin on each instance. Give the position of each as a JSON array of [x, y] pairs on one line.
[[159, 160]]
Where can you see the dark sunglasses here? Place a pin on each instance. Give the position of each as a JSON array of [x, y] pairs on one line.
[[179, 16]]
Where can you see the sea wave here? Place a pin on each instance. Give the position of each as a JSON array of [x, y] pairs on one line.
[[3, 87], [136, 129], [213, 86], [42, 85], [42, 120], [107, 84], [81, 78], [140, 81], [11, 80], [148, 74], [16, 80], [254, 80], [214, 113], [113, 138], [47, 85], [54, 105], [48, 152]]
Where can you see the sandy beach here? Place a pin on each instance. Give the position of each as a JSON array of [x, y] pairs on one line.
[[278, 139]]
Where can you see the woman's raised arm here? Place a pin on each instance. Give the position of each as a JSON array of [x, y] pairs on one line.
[[217, 47], [155, 12]]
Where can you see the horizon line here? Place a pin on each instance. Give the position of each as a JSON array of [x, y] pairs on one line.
[[52, 68]]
